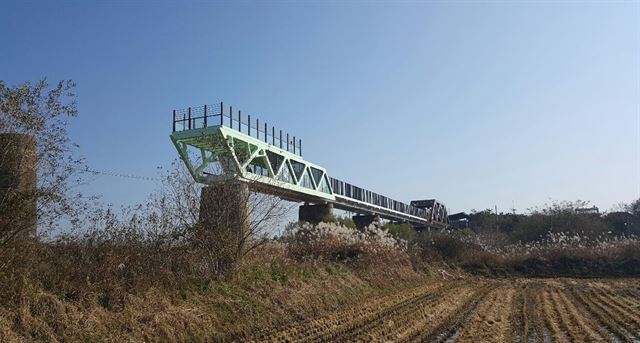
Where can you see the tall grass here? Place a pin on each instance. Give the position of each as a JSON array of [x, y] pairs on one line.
[[557, 254], [371, 249], [120, 281]]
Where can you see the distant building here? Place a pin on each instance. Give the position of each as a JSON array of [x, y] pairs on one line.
[[459, 220], [587, 210]]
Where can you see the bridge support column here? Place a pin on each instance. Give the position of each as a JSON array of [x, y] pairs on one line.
[[364, 220], [421, 228], [315, 213], [18, 187], [224, 222]]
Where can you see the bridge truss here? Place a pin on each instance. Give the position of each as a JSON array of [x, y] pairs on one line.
[[217, 145]]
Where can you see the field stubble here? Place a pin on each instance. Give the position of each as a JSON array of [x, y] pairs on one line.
[[483, 310]]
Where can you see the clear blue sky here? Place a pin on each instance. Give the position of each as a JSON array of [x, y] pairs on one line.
[[476, 104]]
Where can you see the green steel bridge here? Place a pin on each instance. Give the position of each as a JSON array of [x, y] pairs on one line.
[[218, 145]]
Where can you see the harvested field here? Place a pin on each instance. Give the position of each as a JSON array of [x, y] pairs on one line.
[[484, 310]]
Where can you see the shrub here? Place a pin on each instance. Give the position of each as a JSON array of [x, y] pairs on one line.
[[623, 223], [560, 254], [332, 242], [342, 221], [558, 217], [404, 232], [450, 246]]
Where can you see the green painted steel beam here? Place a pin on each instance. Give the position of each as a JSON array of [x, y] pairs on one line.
[[240, 156]]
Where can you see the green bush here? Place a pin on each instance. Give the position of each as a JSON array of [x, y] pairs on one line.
[[538, 225], [448, 246], [401, 231]]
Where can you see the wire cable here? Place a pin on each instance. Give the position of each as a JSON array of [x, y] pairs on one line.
[[117, 174]]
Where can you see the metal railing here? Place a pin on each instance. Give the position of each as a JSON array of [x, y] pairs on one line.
[[216, 115], [350, 191]]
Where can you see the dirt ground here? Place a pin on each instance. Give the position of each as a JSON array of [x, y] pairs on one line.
[[484, 310]]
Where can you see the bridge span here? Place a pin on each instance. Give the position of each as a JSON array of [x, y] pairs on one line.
[[218, 145]]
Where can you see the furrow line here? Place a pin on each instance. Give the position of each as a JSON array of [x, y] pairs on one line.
[[550, 317], [567, 325], [603, 317], [384, 323], [491, 323], [630, 322], [585, 332], [621, 302], [327, 327], [535, 322], [449, 328]]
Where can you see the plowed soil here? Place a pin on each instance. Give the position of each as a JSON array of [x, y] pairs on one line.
[[483, 310]]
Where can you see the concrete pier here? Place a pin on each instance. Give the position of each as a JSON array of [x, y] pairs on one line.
[[364, 220], [224, 221], [315, 213], [18, 187]]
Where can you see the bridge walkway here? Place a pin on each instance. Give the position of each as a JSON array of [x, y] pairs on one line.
[[217, 144]]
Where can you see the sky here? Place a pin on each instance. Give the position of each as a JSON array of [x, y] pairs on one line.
[[477, 104]]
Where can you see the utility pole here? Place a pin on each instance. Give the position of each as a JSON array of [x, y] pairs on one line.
[[496, 216]]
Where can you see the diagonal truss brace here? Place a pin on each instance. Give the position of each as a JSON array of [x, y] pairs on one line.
[[242, 157]]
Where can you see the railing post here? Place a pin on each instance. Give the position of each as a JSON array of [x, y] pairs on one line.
[[205, 115], [231, 117], [258, 128], [273, 135], [221, 114], [189, 118], [174, 120], [265, 132], [300, 145], [288, 141], [280, 139], [239, 120], [294, 145], [249, 125]]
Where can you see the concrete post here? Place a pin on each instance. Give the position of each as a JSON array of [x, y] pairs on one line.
[[315, 213], [224, 222], [18, 188], [364, 220]]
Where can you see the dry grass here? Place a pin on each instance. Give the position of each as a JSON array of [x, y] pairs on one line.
[[368, 252], [81, 292], [573, 257], [139, 289], [483, 310]]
